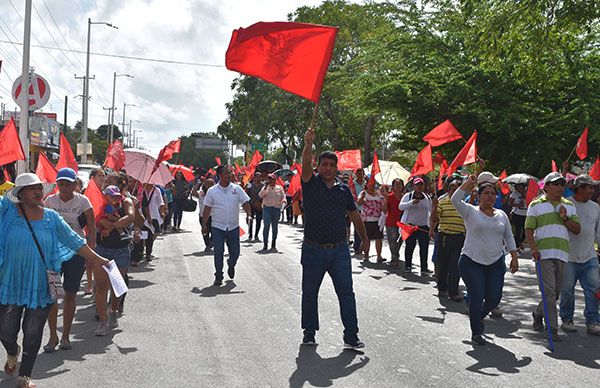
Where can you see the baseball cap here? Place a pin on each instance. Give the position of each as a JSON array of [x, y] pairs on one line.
[[418, 180], [583, 180], [487, 177], [553, 177], [113, 191], [66, 174]]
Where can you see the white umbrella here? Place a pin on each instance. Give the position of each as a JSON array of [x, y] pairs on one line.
[[519, 178], [389, 172], [139, 165]]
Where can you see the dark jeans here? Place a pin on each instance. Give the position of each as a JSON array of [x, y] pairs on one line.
[[177, 212], [336, 262], [357, 241], [484, 285], [169, 217], [232, 239], [257, 216], [519, 224], [33, 328], [422, 236], [271, 221], [289, 213], [448, 248], [149, 242], [207, 237]]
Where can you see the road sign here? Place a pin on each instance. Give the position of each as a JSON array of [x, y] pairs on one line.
[[211, 143], [258, 146], [39, 92]]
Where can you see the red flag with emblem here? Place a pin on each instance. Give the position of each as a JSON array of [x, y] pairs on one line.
[[45, 170], [66, 159], [424, 163], [375, 169], [582, 145], [406, 230], [10, 144], [115, 156], [444, 133]]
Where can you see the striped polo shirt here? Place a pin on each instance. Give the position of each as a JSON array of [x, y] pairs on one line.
[[450, 221], [550, 233]]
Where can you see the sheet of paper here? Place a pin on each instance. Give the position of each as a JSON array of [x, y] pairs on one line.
[[116, 280], [144, 235]]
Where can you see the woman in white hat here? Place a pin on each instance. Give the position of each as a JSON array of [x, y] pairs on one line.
[[32, 240]]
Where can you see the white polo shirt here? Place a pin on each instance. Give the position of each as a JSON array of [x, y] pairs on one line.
[[225, 204]]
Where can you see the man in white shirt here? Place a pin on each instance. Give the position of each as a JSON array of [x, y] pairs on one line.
[[223, 200]]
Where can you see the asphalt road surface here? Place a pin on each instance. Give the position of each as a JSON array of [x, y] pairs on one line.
[[179, 330]]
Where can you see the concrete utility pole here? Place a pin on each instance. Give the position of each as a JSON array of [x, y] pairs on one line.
[[112, 121], [23, 165]]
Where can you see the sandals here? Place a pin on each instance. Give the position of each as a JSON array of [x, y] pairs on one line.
[[64, 344], [25, 382], [11, 362], [49, 347]]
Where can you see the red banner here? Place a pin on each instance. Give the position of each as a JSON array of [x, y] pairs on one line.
[[349, 160], [10, 144]]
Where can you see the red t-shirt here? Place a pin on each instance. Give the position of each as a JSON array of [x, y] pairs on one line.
[[393, 211]]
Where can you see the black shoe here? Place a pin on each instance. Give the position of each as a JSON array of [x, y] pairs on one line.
[[478, 340], [218, 282], [353, 343], [231, 271], [265, 247], [538, 323], [148, 258], [309, 338]]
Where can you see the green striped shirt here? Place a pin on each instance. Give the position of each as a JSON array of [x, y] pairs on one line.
[[550, 233]]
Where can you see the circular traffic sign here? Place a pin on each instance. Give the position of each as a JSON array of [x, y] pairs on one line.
[[39, 92]]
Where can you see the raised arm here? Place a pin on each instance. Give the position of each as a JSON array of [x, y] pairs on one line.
[[458, 196], [307, 169]]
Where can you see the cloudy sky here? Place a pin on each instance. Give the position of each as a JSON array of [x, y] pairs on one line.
[[172, 99]]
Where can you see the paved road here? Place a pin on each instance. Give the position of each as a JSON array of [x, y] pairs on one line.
[[179, 330]]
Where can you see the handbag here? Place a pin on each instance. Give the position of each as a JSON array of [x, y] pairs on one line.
[[189, 205], [54, 279]]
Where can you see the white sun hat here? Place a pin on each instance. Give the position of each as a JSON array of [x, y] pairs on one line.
[[25, 180]]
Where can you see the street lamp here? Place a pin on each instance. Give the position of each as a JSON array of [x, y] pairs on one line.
[[137, 142], [129, 130], [112, 120], [125, 105], [86, 88]]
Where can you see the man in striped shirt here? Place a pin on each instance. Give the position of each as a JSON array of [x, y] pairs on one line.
[[549, 220]]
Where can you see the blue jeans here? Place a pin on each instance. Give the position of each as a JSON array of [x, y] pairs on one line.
[[484, 286], [270, 219], [587, 274], [316, 262], [219, 238], [178, 212]]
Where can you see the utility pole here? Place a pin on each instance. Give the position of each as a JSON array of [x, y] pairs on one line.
[[109, 127], [66, 104], [23, 166], [112, 121]]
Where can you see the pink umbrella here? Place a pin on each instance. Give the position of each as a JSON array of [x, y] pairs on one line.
[[139, 165]]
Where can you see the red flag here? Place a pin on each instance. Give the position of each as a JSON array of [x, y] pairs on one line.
[[554, 166], [595, 170], [503, 186], [375, 169], [238, 170], [279, 182], [532, 191], [212, 172], [167, 153], [582, 145], [349, 160], [66, 159], [439, 158], [45, 170], [467, 155], [218, 160], [115, 156], [10, 144], [96, 198], [443, 169], [7, 176], [295, 183], [406, 230], [256, 158], [444, 133], [242, 231], [292, 56], [424, 162], [352, 186]]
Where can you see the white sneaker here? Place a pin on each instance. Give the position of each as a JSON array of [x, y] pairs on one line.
[[594, 329], [569, 326]]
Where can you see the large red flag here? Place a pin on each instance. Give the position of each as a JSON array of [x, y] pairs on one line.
[[595, 170], [45, 170], [444, 133], [532, 191], [503, 186], [167, 153], [406, 230], [115, 156], [11, 148], [96, 199], [66, 159], [582, 145], [424, 163], [375, 169], [292, 56], [349, 160], [467, 155]]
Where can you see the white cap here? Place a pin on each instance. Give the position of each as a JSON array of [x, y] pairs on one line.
[[487, 177]]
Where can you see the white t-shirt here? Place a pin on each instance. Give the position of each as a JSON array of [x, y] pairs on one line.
[[415, 214], [70, 210], [581, 245], [225, 204]]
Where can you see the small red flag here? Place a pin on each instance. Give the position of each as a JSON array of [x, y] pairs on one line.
[[349, 160], [96, 198], [375, 169], [467, 155], [45, 170], [238, 170], [595, 170], [554, 166], [532, 191], [256, 158], [67, 159], [7, 176], [503, 186], [443, 169], [582, 145], [424, 163], [444, 133], [218, 160], [406, 230], [295, 183], [167, 153], [292, 56], [10, 144], [242, 231], [115, 156]]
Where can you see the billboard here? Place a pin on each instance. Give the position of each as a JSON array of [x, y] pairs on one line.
[[211, 143]]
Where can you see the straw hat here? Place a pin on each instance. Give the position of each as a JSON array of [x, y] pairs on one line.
[[25, 180]]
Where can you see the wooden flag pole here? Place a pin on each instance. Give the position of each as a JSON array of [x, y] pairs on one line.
[[313, 120], [572, 152]]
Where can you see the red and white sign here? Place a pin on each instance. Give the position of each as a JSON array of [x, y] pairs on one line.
[[39, 92]]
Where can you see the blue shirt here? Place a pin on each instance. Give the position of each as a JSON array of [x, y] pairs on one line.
[[497, 205], [23, 279], [325, 210]]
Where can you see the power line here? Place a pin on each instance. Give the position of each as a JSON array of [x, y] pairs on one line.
[[61, 34]]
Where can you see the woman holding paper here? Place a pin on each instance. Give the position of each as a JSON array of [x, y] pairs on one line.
[[32, 240], [115, 241]]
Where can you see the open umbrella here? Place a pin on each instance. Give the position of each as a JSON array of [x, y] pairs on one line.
[[188, 174], [519, 178], [389, 172], [283, 172], [268, 166], [139, 165]]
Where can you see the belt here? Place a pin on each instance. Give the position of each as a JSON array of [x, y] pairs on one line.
[[326, 245]]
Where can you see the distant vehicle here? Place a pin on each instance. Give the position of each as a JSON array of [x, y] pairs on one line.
[[84, 173]]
